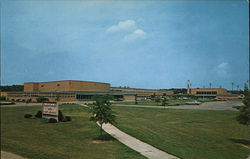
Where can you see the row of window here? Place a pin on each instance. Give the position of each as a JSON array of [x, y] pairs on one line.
[[206, 92], [43, 95], [57, 85]]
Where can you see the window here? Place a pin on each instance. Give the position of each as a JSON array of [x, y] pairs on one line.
[[58, 84], [41, 85]]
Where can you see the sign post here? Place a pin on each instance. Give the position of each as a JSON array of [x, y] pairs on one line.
[[50, 110]]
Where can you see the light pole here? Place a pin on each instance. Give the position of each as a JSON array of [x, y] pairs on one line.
[[248, 82], [232, 86]]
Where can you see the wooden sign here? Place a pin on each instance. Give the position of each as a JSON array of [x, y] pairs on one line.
[[50, 110]]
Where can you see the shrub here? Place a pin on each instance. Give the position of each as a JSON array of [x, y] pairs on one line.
[[68, 118], [27, 116], [41, 99], [39, 114], [52, 120], [60, 116], [2, 98], [28, 101], [7, 103]]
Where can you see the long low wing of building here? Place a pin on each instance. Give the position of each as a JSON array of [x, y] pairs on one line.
[[71, 90], [208, 91], [67, 86]]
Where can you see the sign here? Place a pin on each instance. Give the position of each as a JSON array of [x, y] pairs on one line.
[[50, 110]]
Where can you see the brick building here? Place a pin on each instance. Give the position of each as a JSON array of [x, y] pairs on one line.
[[71, 91]]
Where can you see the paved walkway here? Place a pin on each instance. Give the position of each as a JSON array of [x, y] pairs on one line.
[[10, 155], [137, 145]]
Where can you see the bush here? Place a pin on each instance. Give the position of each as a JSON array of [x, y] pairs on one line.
[[52, 120], [7, 103], [41, 99], [28, 101], [67, 118], [2, 98], [60, 116], [39, 114], [27, 116]]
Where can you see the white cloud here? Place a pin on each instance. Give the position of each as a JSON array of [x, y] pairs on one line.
[[137, 34], [223, 65], [122, 25], [222, 69]]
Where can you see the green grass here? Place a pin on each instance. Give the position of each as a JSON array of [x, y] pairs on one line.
[[189, 134], [35, 138]]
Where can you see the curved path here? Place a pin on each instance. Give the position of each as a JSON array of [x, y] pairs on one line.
[[10, 155], [137, 145]]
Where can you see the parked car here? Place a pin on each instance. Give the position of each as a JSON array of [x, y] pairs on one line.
[[221, 99], [193, 103]]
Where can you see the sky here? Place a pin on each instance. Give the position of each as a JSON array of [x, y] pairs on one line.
[[136, 43]]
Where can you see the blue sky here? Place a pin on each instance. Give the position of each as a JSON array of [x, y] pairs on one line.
[[142, 44]]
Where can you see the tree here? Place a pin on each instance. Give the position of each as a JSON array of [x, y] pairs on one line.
[[157, 99], [164, 101], [101, 111], [210, 85], [57, 98], [136, 102], [244, 116]]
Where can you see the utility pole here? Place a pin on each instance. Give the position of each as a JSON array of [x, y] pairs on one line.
[[237, 87]]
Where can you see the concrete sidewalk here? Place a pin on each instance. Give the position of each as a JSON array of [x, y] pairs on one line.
[[10, 155], [137, 145]]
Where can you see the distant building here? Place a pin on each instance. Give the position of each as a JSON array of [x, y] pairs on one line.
[[208, 91], [71, 91]]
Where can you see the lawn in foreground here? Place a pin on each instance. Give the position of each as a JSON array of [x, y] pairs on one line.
[[34, 138], [189, 134]]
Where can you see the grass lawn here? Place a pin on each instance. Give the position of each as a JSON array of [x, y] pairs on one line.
[[189, 134], [35, 138]]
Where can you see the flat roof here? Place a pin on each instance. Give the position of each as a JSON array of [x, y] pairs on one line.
[[209, 88], [76, 92], [139, 89], [69, 81]]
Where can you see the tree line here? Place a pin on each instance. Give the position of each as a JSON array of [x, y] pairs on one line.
[[11, 88]]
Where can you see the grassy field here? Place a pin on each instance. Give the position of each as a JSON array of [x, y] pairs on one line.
[[189, 134], [35, 138]]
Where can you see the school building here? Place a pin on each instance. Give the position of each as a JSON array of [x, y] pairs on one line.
[[71, 91]]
